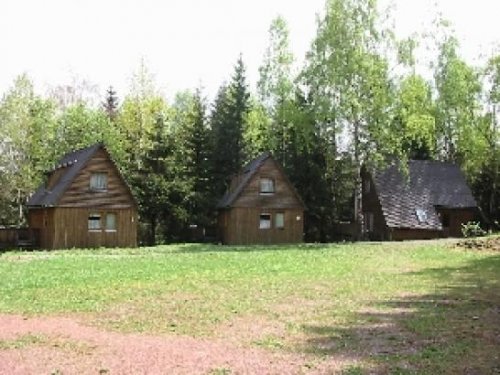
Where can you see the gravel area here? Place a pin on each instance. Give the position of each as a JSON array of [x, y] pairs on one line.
[[63, 345]]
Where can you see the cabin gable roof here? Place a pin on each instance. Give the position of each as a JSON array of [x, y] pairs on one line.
[[69, 168], [413, 201], [247, 178]]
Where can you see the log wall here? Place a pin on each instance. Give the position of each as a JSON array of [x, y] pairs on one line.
[[79, 194], [283, 197], [240, 226]]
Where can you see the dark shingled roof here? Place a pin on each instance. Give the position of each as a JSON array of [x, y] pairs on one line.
[[248, 172], [430, 184], [72, 162]]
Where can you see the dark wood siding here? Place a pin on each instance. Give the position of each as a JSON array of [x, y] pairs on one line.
[[284, 196], [371, 204], [240, 226], [71, 229], [42, 219], [240, 223], [455, 218], [66, 225], [79, 193]]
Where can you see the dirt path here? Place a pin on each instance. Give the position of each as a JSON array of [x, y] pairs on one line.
[[54, 345]]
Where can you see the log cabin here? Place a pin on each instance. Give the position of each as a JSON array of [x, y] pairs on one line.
[[84, 202], [261, 206], [432, 201]]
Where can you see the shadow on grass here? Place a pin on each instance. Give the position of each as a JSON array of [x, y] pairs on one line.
[[454, 330], [208, 248]]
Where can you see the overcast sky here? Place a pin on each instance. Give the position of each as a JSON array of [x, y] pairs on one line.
[[185, 42]]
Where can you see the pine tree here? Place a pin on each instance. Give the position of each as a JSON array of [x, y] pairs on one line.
[[228, 120], [110, 105]]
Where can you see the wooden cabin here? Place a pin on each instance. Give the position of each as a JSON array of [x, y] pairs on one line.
[[432, 201], [85, 202], [261, 206]]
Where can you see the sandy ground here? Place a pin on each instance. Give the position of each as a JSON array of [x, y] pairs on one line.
[[62, 345]]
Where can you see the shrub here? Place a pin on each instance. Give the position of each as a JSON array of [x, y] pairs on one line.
[[472, 229]]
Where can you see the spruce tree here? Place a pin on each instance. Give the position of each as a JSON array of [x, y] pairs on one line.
[[110, 105], [227, 119]]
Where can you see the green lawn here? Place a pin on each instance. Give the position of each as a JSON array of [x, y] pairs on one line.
[[402, 308]]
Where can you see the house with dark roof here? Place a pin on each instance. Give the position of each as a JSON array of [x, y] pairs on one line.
[[431, 201], [84, 202], [261, 206]]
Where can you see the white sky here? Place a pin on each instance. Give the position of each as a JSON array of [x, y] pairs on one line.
[[185, 42]]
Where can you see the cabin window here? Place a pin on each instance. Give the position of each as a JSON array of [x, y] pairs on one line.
[[368, 217], [94, 222], [99, 181], [279, 220], [111, 222], [265, 221], [421, 215], [266, 186]]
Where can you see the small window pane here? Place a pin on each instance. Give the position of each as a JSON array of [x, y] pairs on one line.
[[421, 215], [266, 186], [279, 220], [94, 222], [111, 222], [99, 181], [265, 221]]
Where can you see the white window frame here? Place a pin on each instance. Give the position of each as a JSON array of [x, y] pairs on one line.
[[279, 224], [92, 219], [265, 223], [99, 181], [267, 186], [114, 228]]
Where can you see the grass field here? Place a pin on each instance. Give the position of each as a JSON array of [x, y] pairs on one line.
[[400, 308]]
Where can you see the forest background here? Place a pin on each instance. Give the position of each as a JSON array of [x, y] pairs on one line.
[[362, 97]]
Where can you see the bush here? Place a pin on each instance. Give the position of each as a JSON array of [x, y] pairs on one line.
[[472, 229]]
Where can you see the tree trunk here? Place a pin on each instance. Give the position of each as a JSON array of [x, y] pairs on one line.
[[358, 203]]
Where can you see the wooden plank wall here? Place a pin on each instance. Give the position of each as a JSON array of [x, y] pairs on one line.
[[457, 217], [8, 238], [42, 219], [240, 226], [19, 238], [284, 196], [371, 204], [71, 228], [79, 194]]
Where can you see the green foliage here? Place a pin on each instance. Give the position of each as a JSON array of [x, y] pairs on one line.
[[110, 105], [457, 106], [27, 142], [348, 88], [472, 229], [227, 120], [357, 100], [414, 116]]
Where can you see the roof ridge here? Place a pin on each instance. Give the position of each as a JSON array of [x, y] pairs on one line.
[[45, 197], [248, 171]]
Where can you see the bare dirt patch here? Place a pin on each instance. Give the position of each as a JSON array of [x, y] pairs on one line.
[[68, 346], [489, 244]]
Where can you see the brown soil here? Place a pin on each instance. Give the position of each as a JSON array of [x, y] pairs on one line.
[[62, 345], [490, 244]]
